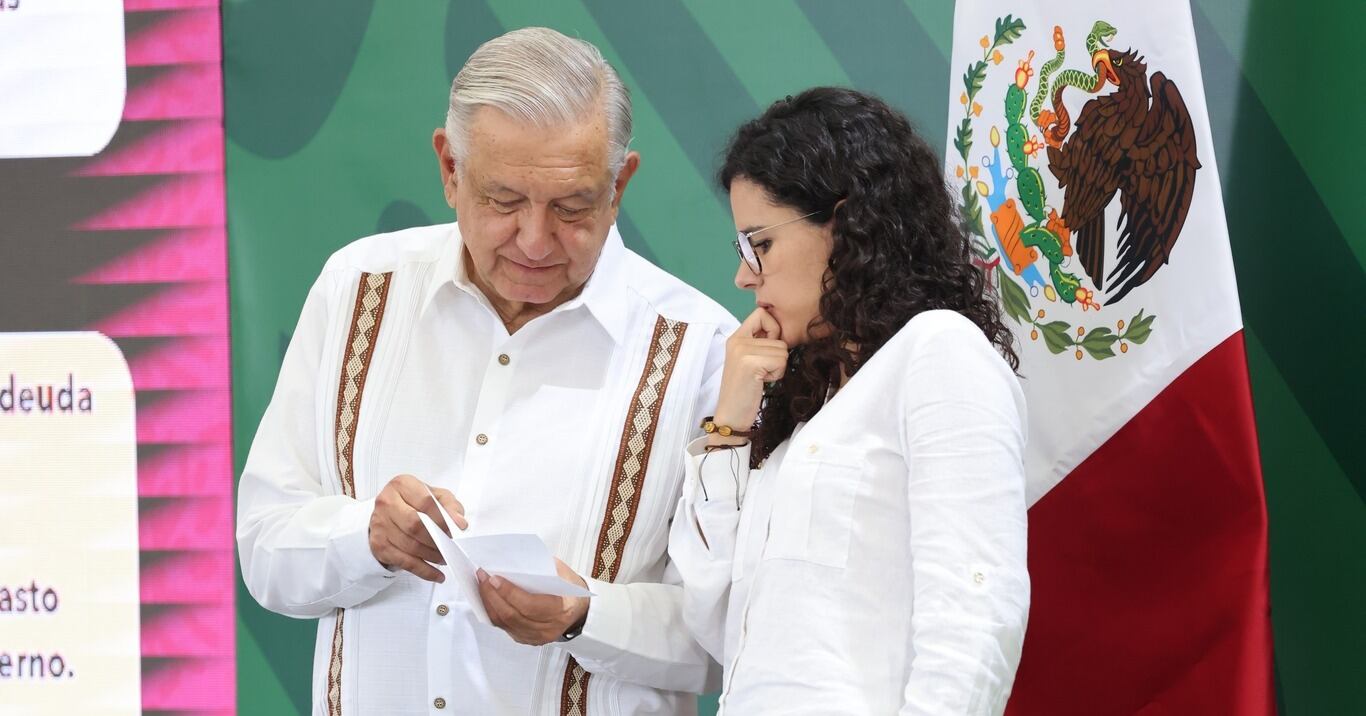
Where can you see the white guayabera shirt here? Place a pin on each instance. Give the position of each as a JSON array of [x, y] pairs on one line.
[[876, 563], [570, 429]]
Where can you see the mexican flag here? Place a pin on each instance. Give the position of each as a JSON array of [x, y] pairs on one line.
[[1079, 144]]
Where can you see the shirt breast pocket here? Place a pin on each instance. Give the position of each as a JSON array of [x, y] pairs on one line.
[[813, 509]]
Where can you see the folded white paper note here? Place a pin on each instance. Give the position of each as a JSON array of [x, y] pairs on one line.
[[459, 571], [522, 559]]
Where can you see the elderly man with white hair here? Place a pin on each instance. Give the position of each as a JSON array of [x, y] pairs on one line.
[[527, 371]]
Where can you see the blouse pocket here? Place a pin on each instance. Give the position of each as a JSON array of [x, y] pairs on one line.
[[813, 510]]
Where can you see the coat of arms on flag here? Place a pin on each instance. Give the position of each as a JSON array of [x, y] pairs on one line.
[[1079, 149], [1135, 145]]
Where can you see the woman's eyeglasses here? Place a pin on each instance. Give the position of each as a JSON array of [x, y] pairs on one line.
[[745, 248]]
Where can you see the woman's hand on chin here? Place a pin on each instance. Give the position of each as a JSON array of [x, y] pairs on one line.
[[755, 355]]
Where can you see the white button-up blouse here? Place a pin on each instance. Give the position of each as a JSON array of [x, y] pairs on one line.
[[876, 563]]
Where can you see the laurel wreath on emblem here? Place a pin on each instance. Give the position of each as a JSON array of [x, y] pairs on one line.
[[1018, 241]]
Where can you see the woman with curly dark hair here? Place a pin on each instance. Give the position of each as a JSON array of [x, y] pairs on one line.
[[851, 537]]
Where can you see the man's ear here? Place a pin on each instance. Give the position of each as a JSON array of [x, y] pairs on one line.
[[446, 162], [628, 170]]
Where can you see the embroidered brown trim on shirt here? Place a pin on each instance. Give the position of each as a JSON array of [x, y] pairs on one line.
[[574, 693], [628, 477], [371, 296], [334, 667]]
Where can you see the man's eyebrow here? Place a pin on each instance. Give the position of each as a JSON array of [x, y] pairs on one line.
[[585, 194], [496, 188]]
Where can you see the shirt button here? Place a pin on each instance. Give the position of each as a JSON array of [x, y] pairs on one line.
[[978, 577], [439, 702], [504, 359], [813, 448], [482, 439], [442, 610]]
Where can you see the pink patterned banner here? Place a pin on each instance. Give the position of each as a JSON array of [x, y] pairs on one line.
[[168, 310]]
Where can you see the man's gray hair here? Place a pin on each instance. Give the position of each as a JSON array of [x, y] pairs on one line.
[[541, 77]]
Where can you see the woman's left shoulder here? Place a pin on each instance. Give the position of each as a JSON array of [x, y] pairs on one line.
[[939, 333], [942, 357]]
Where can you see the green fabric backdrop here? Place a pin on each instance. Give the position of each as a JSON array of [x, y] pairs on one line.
[[330, 107]]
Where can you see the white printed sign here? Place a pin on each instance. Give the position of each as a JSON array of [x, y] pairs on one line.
[[69, 612], [62, 76]]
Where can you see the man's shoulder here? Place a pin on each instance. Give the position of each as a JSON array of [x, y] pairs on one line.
[[391, 251], [674, 298]]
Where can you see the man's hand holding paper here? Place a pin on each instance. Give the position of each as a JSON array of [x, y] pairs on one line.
[[510, 581], [536, 618], [397, 536]]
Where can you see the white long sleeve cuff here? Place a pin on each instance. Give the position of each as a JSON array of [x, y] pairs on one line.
[[635, 632]]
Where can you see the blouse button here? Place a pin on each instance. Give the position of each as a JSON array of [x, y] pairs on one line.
[[504, 359], [482, 439], [439, 702], [442, 610]]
